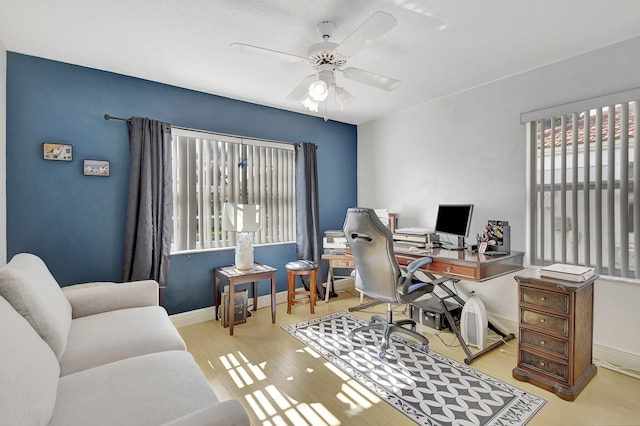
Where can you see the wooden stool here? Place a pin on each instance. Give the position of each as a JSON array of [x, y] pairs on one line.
[[294, 269]]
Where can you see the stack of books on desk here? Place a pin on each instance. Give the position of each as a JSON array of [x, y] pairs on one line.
[[415, 237], [334, 242], [566, 272]]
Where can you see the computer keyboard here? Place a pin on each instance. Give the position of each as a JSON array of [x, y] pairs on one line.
[[448, 246]]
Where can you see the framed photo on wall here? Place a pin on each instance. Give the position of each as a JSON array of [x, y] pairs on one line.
[[96, 168], [57, 151]]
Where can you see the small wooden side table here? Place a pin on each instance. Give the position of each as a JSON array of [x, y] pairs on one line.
[[234, 276]]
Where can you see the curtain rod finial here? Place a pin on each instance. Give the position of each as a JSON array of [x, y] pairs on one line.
[[107, 117]]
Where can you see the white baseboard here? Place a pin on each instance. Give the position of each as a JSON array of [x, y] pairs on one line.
[[343, 284], [193, 317], [503, 324], [208, 314], [616, 357]]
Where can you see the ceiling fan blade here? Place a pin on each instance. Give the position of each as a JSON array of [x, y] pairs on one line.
[[248, 48], [375, 80], [377, 24], [302, 88]]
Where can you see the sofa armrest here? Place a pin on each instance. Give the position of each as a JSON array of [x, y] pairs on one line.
[[94, 298], [226, 413]]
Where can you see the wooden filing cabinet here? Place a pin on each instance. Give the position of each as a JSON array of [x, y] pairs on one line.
[[555, 344]]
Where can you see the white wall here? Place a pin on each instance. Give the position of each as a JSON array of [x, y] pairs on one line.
[[470, 148], [3, 154]]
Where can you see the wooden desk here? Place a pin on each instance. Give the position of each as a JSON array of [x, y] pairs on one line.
[[234, 276], [454, 264], [459, 265], [464, 265], [341, 261]]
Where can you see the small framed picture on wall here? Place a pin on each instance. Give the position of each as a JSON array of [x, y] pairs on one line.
[[96, 168], [57, 151]]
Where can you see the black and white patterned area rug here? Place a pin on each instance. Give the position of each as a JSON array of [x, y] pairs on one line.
[[429, 388]]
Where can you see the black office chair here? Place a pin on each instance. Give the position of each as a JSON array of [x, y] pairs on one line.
[[379, 276]]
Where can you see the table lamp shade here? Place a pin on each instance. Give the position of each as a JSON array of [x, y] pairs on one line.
[[241, 217]]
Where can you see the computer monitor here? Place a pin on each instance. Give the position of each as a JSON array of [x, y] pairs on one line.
[[454, 219]]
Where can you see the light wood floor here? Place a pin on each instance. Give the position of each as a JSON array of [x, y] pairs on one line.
[[281, 382]]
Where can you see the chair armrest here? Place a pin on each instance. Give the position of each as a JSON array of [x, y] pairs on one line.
[[417, 264], [410, 288], [94, 298], [227, 413]]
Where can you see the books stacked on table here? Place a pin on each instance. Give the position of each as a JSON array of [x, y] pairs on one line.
[[334, 242], [561, 271], [413, 237]]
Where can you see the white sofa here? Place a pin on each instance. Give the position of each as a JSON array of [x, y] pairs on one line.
[[96, 354]]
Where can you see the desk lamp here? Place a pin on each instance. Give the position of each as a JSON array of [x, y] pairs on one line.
[[243, 219]]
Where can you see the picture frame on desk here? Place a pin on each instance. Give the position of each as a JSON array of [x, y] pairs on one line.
[[499, 233], [240, 308]]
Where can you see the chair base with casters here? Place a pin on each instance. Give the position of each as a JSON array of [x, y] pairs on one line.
[[388, 326], [301, 268]]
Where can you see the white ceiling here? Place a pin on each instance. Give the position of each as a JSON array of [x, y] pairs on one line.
[[438, 47]]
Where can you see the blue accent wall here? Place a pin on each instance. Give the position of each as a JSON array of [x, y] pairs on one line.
[[75, 223]]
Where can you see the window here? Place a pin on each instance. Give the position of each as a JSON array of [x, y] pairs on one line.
[[211, 169], [583, 175]]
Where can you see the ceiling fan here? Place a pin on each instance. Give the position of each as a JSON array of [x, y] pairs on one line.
[[327, 58]]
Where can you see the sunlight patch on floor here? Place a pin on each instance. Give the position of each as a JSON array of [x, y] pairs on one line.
[[335, 370], [273, 407], [364, 391], [311, 352], [242, 375]]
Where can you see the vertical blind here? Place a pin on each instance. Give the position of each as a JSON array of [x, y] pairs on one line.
[[584, 167], [210, 170]]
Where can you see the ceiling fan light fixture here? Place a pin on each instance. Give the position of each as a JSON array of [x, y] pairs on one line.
[[327, 57], [344, 98], [310, 104], [318, 90]]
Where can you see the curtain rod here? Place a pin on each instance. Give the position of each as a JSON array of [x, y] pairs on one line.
[[128, 120], [111, 117]]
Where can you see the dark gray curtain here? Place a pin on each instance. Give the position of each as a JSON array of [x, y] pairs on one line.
[[150, 203], [308, 242]]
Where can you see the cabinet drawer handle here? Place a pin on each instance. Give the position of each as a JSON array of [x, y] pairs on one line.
[[448, 268], [542, 342], [542, 320], [542, 364], [543, 298]]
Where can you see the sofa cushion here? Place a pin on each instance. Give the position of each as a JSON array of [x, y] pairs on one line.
[[94, 298], [147, 390], [227, 413], [29, 372], [111, 336], [30, 288]]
